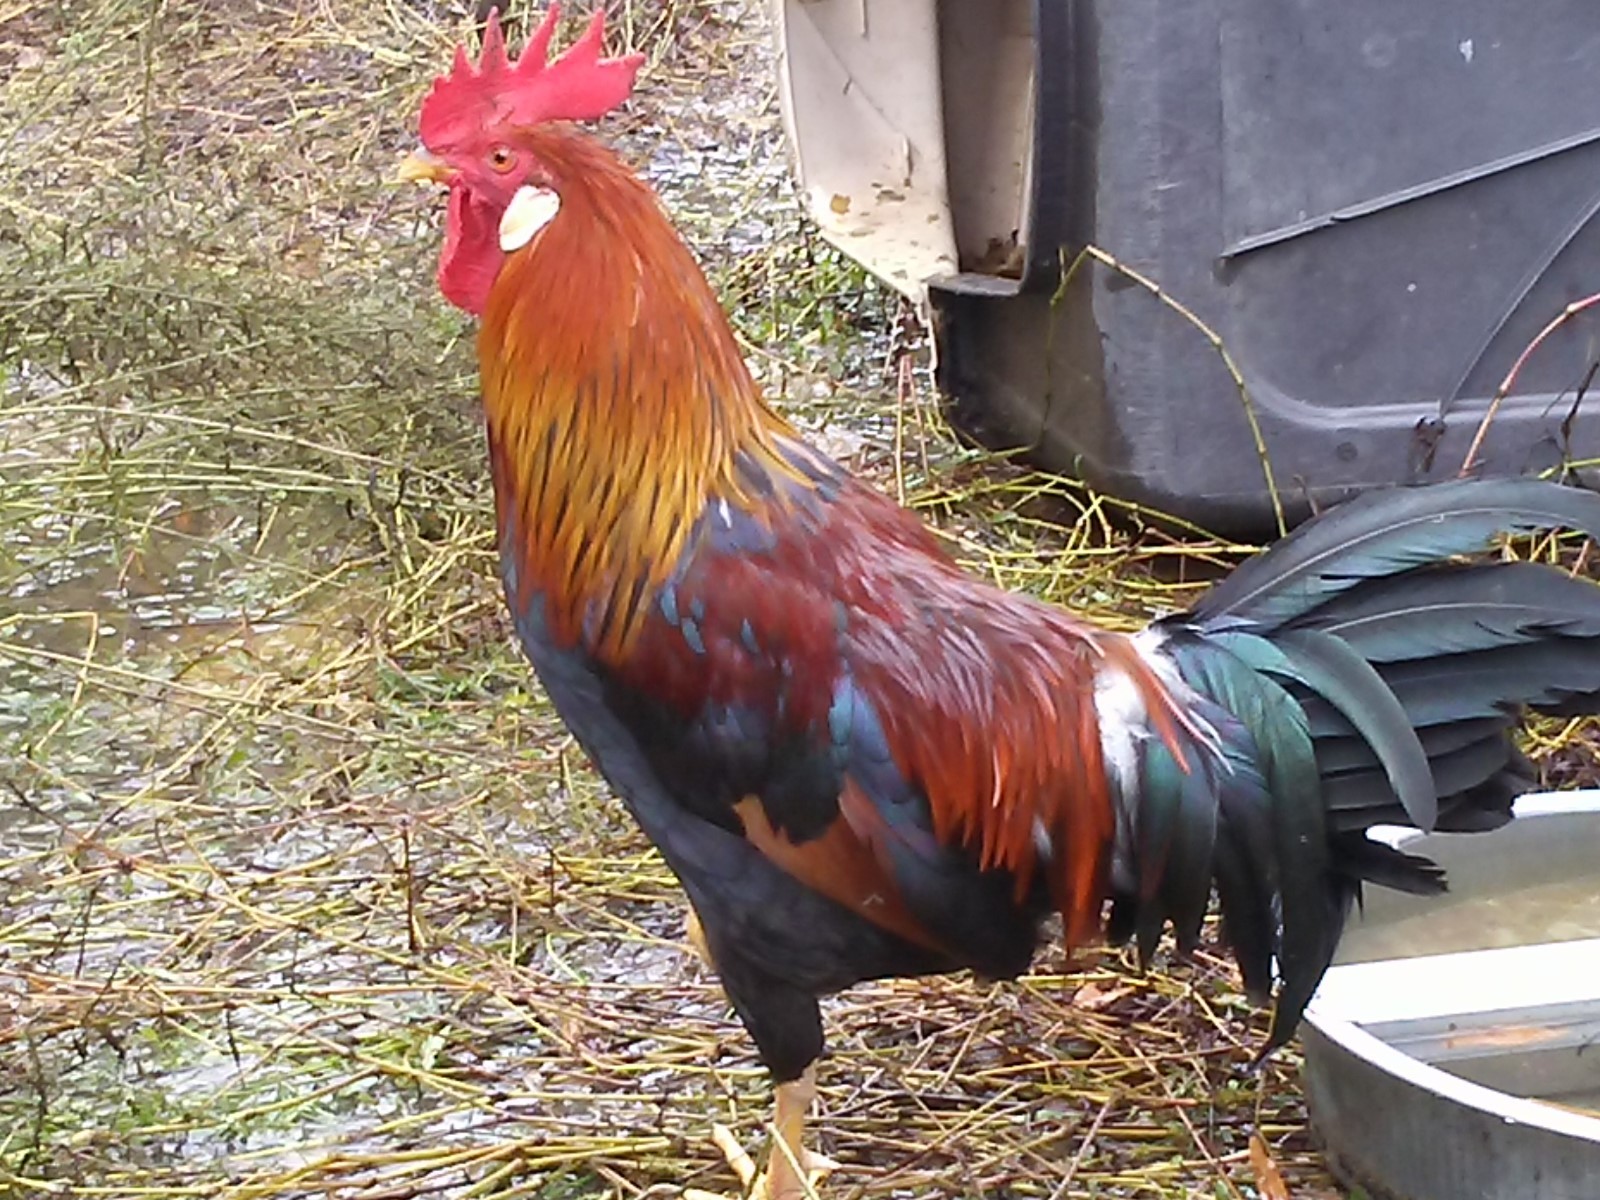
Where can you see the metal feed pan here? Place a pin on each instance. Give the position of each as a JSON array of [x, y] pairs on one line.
[[1449, 1076]]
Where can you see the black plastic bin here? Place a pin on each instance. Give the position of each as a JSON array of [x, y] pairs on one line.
[[1375, 205]]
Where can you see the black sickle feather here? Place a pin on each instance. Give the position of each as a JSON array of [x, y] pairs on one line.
[[1355, 675], [1383, 533], [1459, 609], [1350, 752], [1451, 773]]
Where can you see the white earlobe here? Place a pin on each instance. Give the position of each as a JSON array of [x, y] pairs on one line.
[[530, 210]]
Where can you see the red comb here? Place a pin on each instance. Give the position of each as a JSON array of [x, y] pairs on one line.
[[578, 85]]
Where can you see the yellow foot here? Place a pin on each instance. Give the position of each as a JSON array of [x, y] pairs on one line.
[[792, 1171], [780, 1181]]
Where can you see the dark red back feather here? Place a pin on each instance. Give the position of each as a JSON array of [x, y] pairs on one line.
[[986, 698]]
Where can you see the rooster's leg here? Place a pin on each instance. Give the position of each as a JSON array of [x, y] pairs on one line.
[[792, 1172], [696, 937]]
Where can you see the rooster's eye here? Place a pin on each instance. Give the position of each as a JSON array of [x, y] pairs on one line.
[[501, 158]]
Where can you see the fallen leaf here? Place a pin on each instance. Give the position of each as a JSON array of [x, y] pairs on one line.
[[1091, 997], [1269, 1180]]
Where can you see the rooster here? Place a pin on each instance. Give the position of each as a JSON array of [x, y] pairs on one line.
[[862, 762]]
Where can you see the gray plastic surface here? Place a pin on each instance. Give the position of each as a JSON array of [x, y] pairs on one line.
[[1376, 206]]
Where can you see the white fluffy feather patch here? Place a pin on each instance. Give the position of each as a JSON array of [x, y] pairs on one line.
[[530, 210], [1119, 705], [1124, 723]]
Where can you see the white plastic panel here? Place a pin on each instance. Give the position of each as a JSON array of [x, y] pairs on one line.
[[859, 85]]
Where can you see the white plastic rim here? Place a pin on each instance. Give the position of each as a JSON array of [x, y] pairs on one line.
[[1369, 1048]]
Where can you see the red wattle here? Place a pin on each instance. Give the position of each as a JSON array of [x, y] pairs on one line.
[[471, 257]]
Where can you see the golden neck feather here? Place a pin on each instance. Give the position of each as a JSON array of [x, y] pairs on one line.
[[616, 398]]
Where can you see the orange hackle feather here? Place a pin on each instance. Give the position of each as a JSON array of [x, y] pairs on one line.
[[619, 408], [615, 394]]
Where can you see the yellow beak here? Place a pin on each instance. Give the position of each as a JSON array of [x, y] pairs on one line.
[[423, 166]]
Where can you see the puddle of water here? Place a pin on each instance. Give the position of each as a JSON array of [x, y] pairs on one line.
[[1563, 910]]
